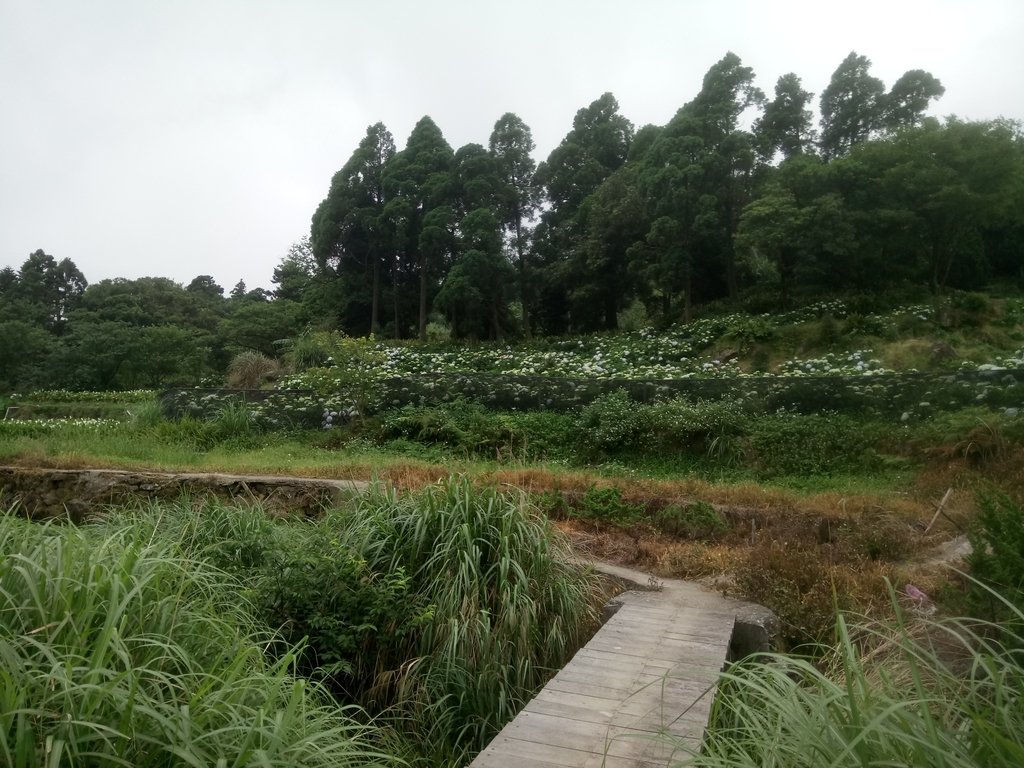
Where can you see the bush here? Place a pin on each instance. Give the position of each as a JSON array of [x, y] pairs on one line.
[[350, 617], [697, 520], [611, 423], [795, 583], [509, 605], [606, 505], [748, 330], [340, 367], [466, 426], [446, 608], [706, 428], [798, 444], [997, 556], [552, 504], [970, 309], [538, 434]]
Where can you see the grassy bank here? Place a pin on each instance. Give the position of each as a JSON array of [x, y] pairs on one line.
[[201, 627]]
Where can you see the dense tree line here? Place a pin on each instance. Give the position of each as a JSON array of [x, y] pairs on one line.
[[670, 216], [738, 195], [57, 331]]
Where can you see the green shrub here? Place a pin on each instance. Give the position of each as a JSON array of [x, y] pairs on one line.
[[612, 423], [447, 608], [705, 428], [606, 505], [868, 325], [552, 504], [463, 425], [970, 309], [335, 365], [748, 330], [539, 434], [997, 556], [697, 520], [351, 618], [812, 444], [828, 331]]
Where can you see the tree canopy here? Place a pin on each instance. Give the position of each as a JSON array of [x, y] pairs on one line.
[[736, 192]]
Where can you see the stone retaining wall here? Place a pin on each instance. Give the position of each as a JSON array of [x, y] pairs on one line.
[[73, 493]]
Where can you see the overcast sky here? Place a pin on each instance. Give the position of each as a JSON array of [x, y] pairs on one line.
[[177, 138]]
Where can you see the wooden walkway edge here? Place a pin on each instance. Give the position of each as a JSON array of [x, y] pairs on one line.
[[638, 695]]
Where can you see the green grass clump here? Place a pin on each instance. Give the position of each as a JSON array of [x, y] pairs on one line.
[[508, 605], [116, 650], [913, 691]]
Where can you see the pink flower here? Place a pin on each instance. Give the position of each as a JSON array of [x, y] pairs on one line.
[[915, 594]]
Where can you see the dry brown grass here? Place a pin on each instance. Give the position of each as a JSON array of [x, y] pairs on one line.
[[906, 353], [799, 553]]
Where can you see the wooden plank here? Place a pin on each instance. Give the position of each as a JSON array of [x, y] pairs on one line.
[[507, 753], [623, 686], [653, 720], [611, 740], [638, 695], [667, 708]]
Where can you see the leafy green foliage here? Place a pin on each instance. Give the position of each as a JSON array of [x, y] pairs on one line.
[[508, 606], [606, 505], [613, 422], [997, 556], [811, 444], [339, 367], [325, 595], [696, 520]]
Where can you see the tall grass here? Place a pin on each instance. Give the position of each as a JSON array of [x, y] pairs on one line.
[[911, 692], [442, 610], [507, 604], [117, 651]]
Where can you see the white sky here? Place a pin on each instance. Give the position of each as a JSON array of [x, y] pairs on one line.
[[183, 137]]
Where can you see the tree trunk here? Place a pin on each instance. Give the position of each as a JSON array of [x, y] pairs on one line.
[[731, 278], [611, 315], [375, 307], [523, 280], [495, 323], [688, 299], [394, 294], [423, 300]]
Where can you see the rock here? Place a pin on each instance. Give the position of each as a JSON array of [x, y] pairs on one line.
[[756, 630]]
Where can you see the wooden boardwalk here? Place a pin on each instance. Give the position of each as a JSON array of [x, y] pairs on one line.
[[638, 695]]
